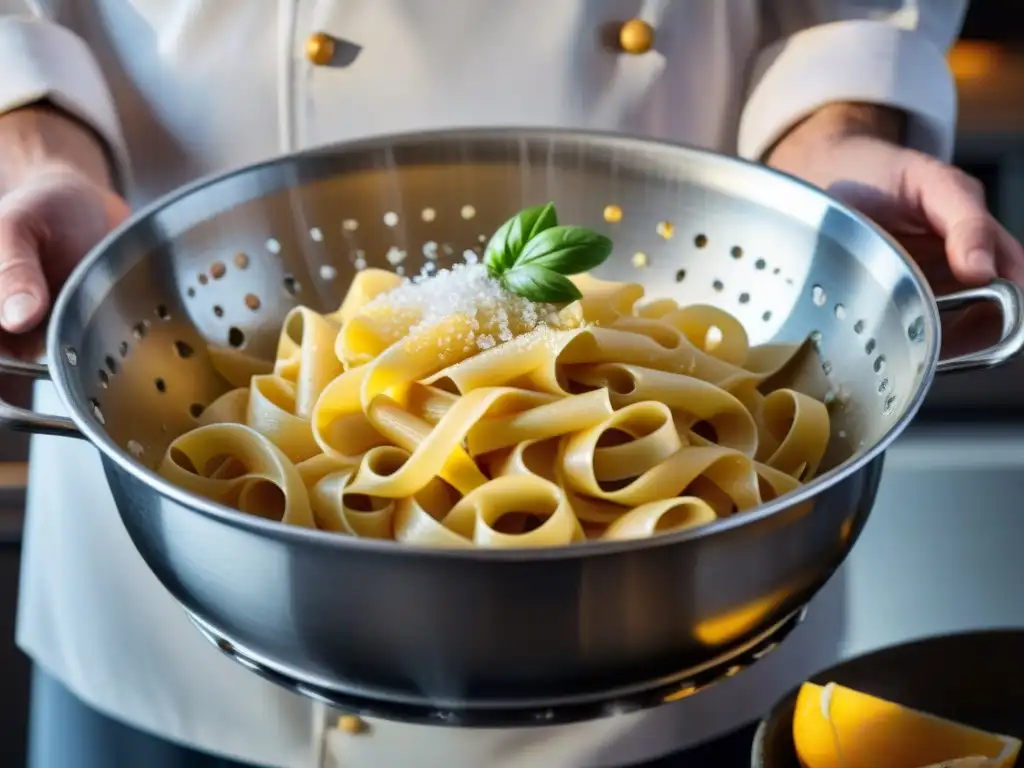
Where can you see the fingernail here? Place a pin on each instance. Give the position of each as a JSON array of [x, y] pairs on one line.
[[980, 260], [18, 309]]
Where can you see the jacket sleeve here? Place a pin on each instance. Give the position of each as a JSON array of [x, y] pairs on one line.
[[43, 61], [886, 52]]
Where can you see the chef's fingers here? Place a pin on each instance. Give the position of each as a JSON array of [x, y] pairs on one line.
[[24, 294]]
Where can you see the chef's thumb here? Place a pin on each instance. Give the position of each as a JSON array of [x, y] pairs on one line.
[[954, 205], [24, 295]]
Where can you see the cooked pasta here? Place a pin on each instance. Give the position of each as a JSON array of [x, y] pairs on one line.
[[445, 411]]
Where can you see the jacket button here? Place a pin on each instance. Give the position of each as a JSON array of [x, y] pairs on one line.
[[320, 49], [636, 36]]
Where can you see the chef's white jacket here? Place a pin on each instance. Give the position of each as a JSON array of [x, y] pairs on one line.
[[181, 88]]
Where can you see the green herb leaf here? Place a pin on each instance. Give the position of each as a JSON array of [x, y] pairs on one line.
[[507, 243], [540, 284], [566, 250]]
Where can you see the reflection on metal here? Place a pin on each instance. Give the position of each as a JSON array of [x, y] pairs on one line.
[[525, 714]]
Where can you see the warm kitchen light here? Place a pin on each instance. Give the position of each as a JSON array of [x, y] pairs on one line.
[[973, 59]]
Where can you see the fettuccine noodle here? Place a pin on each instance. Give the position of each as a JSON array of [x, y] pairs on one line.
[[444, 412]]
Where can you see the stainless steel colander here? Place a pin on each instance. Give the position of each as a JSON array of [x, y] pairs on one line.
[[221, 262]]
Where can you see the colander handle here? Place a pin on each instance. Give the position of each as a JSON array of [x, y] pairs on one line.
[[1010, 299], [22, 420]]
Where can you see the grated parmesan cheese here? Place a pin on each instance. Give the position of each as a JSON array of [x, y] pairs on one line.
[[466, 290]]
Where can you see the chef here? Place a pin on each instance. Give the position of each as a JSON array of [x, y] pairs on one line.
[[105, 104]]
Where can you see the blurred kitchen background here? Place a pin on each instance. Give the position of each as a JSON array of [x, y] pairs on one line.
[[989, 66]]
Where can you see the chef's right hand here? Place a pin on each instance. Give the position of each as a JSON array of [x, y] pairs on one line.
[[56, 203]]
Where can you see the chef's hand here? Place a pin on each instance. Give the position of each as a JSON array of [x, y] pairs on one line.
[[56, 202], [936, 211]]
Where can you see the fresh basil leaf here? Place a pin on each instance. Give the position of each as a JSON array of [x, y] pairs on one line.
[[539, 284], [566, 250], [507, 243]]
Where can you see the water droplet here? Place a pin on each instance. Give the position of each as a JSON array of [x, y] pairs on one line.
[[818, 295]]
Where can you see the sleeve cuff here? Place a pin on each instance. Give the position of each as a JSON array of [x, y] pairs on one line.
[[870, 62], [41, 61]]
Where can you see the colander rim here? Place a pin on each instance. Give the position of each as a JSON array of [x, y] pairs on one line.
[[315, 537]]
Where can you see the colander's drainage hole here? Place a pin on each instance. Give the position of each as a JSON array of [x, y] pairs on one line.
[[196, 410], [776, 271], [883, 385], [744, 298], [191, 292], [359, 262], [183, 349], [241, 260], [639, 260], [140, 329], [858, 327], [160, 384], [818, 295], [218, 310], [816, 338], [665, 229], [350, 225], [700, 241], [467, 212], [252, 301], [218, 270], [428, 214], [760, 264], [612, 214], [327, 272], [162, 312], [481, 239], [869, 347], [879, 363], [316, 235], [915, 331], [736, 252], [122, 349], [111, 364], [826, 367], [236, 338], [390, 219], [97, 412], [71, 355], [292, 285], [890, 401], [104, 378], [680, 275], [202, 278], [135, 449], [840, 312], [767, 316], [273, 245], [718, 285]]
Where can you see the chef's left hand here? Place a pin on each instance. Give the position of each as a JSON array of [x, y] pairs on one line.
[[936, 211]]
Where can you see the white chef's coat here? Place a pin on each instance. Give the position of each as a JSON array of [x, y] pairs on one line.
[[180, 88]]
